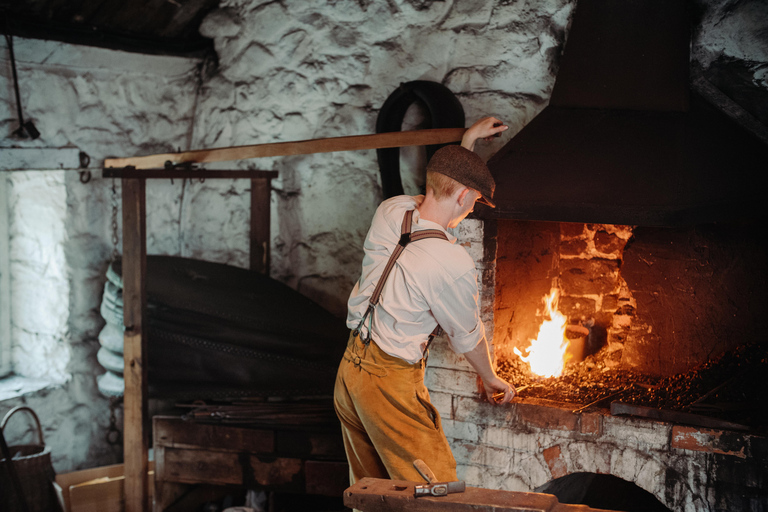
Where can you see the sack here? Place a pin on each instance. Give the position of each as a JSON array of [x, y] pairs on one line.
[[34, 471]]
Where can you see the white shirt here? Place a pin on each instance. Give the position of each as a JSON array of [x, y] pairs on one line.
[[433, 282]]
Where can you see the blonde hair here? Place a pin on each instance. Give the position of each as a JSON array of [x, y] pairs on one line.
[[441, 185]]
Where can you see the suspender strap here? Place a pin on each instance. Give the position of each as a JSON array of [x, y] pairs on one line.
[[406, 237]]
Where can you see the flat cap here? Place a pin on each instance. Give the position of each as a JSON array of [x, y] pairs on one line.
[[467, 168]]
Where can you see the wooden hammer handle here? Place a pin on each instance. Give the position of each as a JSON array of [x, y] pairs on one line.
[[424, 471]]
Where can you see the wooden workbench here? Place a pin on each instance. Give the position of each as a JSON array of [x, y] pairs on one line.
[[188, 454], [377, 495]]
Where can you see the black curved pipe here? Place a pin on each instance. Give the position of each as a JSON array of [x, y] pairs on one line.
[[445, 111]]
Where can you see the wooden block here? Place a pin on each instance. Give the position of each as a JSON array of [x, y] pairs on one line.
[[67, 480], [230, 468], [378, 495], [174, 432], [105, 494]]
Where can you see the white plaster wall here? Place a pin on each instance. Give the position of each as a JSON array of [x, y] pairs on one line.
[[106, 103], [300, 70]]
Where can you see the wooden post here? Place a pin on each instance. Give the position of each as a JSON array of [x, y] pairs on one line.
[[260, 219], [136, 431]]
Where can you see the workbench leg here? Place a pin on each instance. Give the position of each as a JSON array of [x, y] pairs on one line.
[[260, 224], [136, 431]]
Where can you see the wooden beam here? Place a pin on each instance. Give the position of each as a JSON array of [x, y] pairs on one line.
[[136, 431], [145, 174], [328, 145], [260, 223]]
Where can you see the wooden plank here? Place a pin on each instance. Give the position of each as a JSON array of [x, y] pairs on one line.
[[192, 174], [229, 468], [67, 480], [619, 408], [378, 495], [166, 493], [260, 224], [135, 435], [175, 433], [303, 147], [101, 495]]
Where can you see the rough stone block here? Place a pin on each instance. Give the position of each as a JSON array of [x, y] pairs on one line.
[[710, 441], [457, 382], [588, 276], [554, 459], [588, 457], [609, 243], [543, 417], [461, 430], [576, 307], [475, 410], [518, 441], [591, 424], [637, 433], [443, 402], [572, 247]]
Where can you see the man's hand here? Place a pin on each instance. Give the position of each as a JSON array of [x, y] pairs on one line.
[[497, 386], [480, 359], [486, 128]]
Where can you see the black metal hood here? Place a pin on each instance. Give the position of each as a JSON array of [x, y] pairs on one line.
[[625, 139]]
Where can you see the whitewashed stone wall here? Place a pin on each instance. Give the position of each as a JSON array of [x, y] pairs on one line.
[[107, 104], [300, 70]]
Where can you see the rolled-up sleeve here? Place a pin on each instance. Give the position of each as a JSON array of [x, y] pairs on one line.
[[458, 314]]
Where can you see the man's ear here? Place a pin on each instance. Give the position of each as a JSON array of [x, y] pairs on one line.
[[463, 196]]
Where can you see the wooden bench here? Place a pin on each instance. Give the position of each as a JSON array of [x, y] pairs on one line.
[[189, 454]]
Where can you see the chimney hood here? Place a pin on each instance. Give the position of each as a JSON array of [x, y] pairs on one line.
[[625, 140]]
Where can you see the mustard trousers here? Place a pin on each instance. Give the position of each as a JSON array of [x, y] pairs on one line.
[[387, 420]]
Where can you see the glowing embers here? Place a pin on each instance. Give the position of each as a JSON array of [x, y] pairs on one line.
[[547, 354]]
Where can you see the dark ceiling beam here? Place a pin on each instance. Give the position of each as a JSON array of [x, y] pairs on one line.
[[111, 38]]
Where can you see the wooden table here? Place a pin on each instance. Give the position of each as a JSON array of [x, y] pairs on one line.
[[188, 454]]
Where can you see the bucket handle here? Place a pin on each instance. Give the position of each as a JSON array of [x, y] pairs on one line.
[[21, 408]]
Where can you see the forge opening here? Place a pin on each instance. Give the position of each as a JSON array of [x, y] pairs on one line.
[[602, 491], [672, 315]]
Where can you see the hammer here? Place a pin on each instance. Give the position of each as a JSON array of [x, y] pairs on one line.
[[433, 488]]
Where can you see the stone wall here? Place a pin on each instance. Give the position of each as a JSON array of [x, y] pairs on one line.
[[300, 70], [105, 103]]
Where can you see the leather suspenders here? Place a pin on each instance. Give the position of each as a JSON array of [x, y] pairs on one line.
[[406, 237]]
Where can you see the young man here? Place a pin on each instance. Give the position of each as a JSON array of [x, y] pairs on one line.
[[380, 398]]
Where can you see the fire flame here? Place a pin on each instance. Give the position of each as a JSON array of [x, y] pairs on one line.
[[546, 355]]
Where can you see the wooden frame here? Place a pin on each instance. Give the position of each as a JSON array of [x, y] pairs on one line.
[[134, 172]]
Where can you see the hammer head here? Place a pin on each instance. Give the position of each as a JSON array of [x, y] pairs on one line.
[[438, 489]]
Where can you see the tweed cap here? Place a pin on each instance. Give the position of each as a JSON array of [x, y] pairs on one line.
[[467, 168]]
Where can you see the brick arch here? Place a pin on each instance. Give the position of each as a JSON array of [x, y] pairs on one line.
[[648, 471]]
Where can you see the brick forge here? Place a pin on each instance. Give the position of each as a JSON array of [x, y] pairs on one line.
[[531, 443]]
